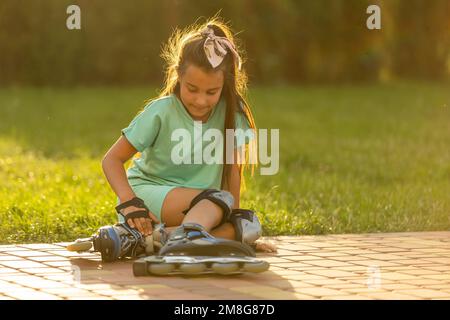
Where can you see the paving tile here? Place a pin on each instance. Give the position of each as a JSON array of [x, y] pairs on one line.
[[185, 296], [387, 250], [9, 257], [65, 278], [436, 268], [346, 285], [31, 294], [283, 272], [443, 286], [322, 292], [303, 258], [336, 283], [348, 258], [320, 244], [332, 273], [445, 261], [18, 264], [434, 250], [363, 291], [117, 292], [264, 292], [353, 251], [41, 271], [91, 297], [305, 267], [38, 246], [70, 292], [276, 260], [445, 277], [297, 247], [284, 284], [130, 297], [28, 253], [349, 297], [415, 262], [390, 296], [36, 282], [10, 248], [306, 276], [400, 286], [356, 269], [283, 253], [292, 264], [47, 258], [332, 254], [426, 293], [211, 291], [423, 282], [382, 256], [6, 271], [328, 263], [375, 263], [62, 263], [397, 276]]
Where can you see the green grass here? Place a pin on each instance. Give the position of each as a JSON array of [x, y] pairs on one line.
[[352, 159]]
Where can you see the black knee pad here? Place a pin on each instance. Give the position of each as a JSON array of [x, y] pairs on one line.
[[222, 198]]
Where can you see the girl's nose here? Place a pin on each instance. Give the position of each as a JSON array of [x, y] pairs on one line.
[[201, 102]]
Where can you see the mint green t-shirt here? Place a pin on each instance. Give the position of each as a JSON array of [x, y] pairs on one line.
[[150, 133]]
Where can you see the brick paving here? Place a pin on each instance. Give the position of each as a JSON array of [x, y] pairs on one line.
[[383, 266]]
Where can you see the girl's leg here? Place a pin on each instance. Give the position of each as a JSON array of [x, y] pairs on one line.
[[179, 199], [225, 230], [176, 201]]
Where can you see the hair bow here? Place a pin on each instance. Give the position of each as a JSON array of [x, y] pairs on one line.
[[216, 48]]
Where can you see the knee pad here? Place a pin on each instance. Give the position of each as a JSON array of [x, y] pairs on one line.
[[246, 225], [223, 199]]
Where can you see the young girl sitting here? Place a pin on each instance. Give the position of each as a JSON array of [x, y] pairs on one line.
[[204, 88]]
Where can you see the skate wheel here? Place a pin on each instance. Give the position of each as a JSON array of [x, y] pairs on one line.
[[224, 268], [140, 268], [192, 268], [160, 268], [79, 246], [259, 266]]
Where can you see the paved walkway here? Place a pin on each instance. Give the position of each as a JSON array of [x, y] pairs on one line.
[[349, 266]]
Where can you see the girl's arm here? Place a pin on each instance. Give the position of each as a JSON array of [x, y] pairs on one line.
[[113, 165]]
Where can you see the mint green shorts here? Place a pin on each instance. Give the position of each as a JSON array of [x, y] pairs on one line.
[[153, 196]]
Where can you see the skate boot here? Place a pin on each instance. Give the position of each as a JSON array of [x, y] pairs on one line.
[[246, 225], [121, 241], [192, 250]]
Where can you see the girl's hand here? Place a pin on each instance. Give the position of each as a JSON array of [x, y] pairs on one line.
[[143, 225]]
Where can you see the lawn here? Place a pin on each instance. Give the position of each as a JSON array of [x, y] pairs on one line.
[[353, 159]]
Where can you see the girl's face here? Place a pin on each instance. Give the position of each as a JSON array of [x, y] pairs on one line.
[[200, 91]]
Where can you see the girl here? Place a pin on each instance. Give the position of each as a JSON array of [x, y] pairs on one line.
[[204, 83]]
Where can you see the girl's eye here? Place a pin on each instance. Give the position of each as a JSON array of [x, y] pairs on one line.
[[211, 93]]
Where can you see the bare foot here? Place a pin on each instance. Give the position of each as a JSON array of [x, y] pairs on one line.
[[264, 246]]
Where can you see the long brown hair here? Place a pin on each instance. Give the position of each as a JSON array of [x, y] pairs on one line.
[[185, 47]]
